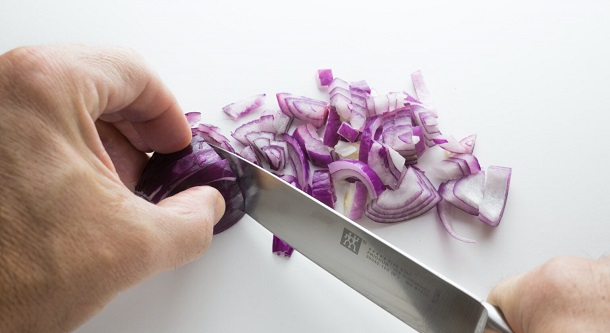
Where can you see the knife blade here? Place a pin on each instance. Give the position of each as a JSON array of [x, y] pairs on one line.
[[396, 282]]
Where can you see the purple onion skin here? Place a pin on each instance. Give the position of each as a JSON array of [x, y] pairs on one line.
[[196, 165], [281, 248]]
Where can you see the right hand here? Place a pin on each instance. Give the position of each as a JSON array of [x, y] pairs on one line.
[[566, 294]]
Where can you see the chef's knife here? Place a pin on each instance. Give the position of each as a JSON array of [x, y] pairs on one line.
[[390, 278]]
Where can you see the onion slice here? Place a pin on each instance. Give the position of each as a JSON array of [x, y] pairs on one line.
[[497, 182], [414, 196], [354, 202], [239, 109], [344, 169], [307, 109], [322, 188], [444, 210], [310, 142]]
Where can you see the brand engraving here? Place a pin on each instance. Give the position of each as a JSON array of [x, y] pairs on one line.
[[351, 241]]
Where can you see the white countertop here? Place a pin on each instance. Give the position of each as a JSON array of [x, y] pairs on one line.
[[531, 78]]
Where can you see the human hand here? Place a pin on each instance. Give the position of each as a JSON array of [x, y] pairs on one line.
[[566, 294], [74, 125]]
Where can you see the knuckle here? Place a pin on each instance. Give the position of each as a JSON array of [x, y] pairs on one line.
[[28, 72]]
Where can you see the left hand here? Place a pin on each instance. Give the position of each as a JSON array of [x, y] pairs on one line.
[[75, 123]]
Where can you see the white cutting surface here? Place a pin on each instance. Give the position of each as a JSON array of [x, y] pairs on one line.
[[531, 78]]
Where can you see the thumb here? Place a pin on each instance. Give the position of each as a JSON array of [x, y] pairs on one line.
[[186, 221]]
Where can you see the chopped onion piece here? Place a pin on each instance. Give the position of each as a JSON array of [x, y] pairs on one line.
[[360, 95], [307, 109], [347, 132], [469, 142], [317, 153], [281, 248], [414, 196], [322, 188], [421, 89], [193, 118], [354, 203], [428, 121], [457, 166], [212, 135], [341, 97], [331, 132], [344, 169], [347, 149], [450, 144], [282, 122], [465, 193], [239, 109], [298, 161], [385, 164], [497, 183], [444, 210], [325, 77], [249, 154], [262, 124]]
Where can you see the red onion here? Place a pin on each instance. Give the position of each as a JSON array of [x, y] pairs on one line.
[[239, 109], [325, 77], [304, 108]]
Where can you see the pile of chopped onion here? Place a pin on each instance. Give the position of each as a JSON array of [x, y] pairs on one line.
[[365, 143]]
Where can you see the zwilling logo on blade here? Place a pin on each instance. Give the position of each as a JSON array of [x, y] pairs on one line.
[[351, 241]]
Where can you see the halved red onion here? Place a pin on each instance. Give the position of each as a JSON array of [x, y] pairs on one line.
[[345, 169], [196, 165], [239, 109], [307, 109], [495, 193]]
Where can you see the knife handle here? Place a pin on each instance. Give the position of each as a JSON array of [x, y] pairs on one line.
[[496, 323]]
